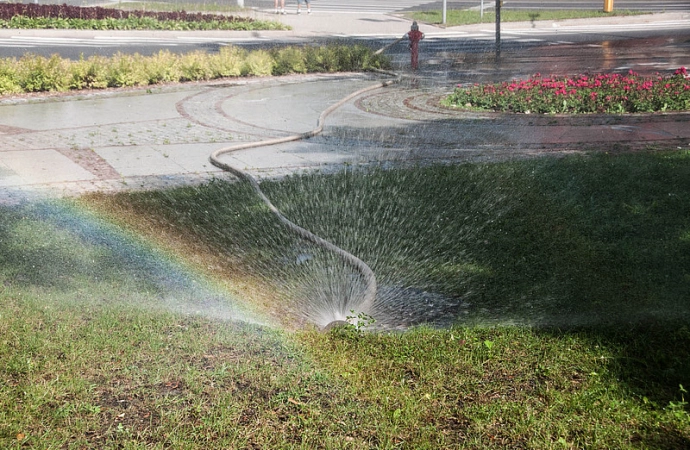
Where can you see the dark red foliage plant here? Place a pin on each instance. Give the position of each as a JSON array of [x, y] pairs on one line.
[[33, 10]]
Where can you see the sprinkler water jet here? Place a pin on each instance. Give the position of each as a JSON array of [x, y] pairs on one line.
[[335, 324], [369, 295]]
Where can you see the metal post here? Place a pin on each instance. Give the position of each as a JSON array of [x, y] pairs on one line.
[[481, 11], [608, 6], [499, 3], [240, 3], [444, 12]]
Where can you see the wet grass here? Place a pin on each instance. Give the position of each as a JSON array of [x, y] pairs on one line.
[[591, 250], [467, 17], [581, 239]]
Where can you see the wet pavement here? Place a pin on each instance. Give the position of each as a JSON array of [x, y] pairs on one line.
[[162, 136]]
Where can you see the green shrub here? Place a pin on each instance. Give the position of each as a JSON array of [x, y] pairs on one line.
[[127, 70], [89, 73], [341, 58], [321, 59], [194, 66], [9, 79], [346, 57], [289, 60], [162, 67], [228, 62], [258, 63], [357, 57], [38, 73]]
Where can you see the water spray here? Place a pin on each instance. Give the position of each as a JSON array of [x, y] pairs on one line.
[[369, 295]]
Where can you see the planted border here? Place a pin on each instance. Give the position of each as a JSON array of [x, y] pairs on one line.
[[33, 73], [29, 16], [601, 93]]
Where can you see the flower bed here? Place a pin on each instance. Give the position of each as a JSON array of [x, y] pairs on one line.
[[19, 15], [603, 93], [31, 10]]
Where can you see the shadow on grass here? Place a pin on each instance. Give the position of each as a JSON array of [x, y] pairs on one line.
[[651, 362], [577, 241]]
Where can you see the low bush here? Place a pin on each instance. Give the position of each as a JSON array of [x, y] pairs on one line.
[[34, 73], [89, 73], [127, 70], [258, 63], [195, 66], [228, 62], [37, 73], [9, 79], [288, 60], [160, 70]]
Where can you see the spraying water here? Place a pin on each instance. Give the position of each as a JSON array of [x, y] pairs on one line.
[[57, 244], [336, 311]]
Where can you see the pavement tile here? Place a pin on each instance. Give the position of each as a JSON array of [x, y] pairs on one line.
[[191, 158], [140, 160], [42, 166]]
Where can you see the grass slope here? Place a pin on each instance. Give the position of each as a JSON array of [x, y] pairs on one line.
[[93, 355]]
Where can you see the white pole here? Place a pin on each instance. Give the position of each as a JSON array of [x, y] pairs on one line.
[[240, 3], [481, 10], [444, 12]]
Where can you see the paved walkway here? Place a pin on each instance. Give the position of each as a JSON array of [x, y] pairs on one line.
[[162, 136]]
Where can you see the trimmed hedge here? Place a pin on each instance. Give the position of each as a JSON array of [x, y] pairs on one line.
[[34, 73]]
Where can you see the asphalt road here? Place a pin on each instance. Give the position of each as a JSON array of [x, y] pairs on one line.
[[648, 48], [433, 47]]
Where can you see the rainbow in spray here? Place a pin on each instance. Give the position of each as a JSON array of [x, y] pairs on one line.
[[58, 244]]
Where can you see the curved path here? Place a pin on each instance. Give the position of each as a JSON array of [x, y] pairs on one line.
[[162, 136]]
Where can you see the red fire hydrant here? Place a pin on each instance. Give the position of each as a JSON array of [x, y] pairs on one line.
[[414, 35]]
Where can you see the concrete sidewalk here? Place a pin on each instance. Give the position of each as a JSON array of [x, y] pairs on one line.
[[161, 137], [158, 137]]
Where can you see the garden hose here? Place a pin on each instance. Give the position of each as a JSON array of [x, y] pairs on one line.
[[369, 295]]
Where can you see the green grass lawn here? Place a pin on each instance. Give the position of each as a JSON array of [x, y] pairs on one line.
[[456, 17], [575, 272]]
